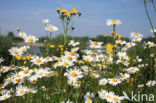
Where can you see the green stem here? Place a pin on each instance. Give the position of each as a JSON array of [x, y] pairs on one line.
[[114, 29], [154, 5], [64, 29], [145, 5]]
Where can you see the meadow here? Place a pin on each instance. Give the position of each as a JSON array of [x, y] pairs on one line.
[[105, 69]]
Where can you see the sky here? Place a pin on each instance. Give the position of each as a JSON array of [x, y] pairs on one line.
[[28, 15]]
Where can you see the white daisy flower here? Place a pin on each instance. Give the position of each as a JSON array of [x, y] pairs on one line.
[[4, 69], [14, 51], [45, 21], [150, 83], [150, 44], [21, 90], [51, 28], [89, 96], [30, 39], [121, 42], [22, 34], [66, 63], [5, 96], [137, 39], [48, 59], [1, 59], [24, 48], [114, 81], [94, 75], [108, 96], [130, 44], [88, 101], [152, 31], [94, 44], [124, 76], [33, 79], [136, 35], [73, 74], [103, 81], [42, 73], [26, 72], [132, 70], [73, 43], [102, 94], [31, 90], [116, 99], [75, 49], [110, 22], [85, 68], [37, 60]]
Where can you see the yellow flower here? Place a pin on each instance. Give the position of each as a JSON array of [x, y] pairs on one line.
[[73, 11], [106, 36], [67, 14], [117, 36], [63, 11], [113, 32], [18, 57], [109, 48], [58, 9], [60, 46], [52, 46], [24, 58]]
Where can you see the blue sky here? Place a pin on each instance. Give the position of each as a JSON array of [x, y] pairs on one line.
[[28, 15]]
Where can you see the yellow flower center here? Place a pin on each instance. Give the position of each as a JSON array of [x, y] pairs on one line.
[[94, 43], [21, 91], [66, 63], [2, 69], [1, 91], [9, 79], [89, 97], [33, 80], [24, 49], [18, 80], [73, 74], [47, 58], [93, 75], [114, 21], [114, 80], [30, 39], [73, 42], [51, 28], [52, 46], [5, 97], [40, 74], [122, 76], [21, 35], [30, 90], [11, 66], [71, 53], [130, 45], [103, 82], [1, 85], [116, 99], [136, 34], [108, 96], [88, 102], [25, 71], [85, 68], [38, 61], [132, 70], [18, 75], [69, 58], [15, 52]]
